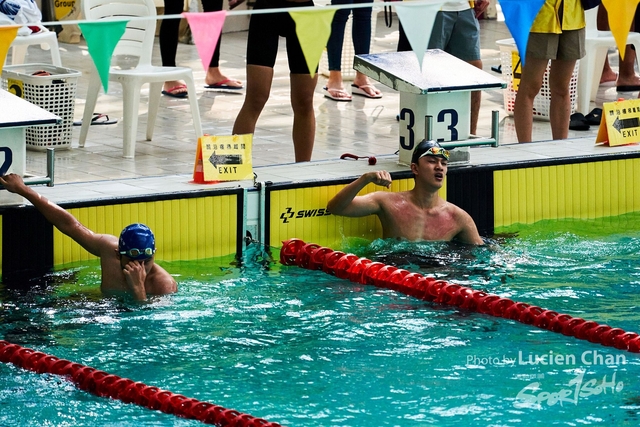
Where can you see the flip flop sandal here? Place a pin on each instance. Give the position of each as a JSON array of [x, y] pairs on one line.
[[360, 90], [578, 122], [224, 84], [339, 95], [174, 92], [594, 117], [628, 88], [98, 119]]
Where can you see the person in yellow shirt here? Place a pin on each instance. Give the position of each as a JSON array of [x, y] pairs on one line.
[[557, 34]]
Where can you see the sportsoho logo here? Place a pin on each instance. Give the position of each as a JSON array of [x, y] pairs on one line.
[[290, 214]]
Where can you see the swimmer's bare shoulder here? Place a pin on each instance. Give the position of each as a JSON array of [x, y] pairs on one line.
[[161, 282], [468, 230]]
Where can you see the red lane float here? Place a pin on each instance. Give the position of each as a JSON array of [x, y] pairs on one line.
[[367, 272], [104, 384]]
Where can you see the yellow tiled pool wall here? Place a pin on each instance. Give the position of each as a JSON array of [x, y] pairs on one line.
[[580, 191], [211, 224], [185, 229]]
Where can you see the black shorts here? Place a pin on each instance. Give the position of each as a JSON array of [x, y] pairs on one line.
[[265, 29]]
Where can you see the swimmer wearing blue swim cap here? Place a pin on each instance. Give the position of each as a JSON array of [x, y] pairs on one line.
[[417, 214], [127, 263], [137, 242]]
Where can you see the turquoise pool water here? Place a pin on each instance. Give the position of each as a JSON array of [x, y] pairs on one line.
[[302, 348]]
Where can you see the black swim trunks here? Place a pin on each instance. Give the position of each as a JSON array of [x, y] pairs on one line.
[[265, 29]]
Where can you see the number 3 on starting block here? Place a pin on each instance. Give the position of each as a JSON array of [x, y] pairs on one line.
[[451, 112]]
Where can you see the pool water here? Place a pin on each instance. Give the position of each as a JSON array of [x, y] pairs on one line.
[[303, 348]]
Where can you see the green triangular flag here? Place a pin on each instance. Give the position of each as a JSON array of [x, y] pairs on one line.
[[313, 28], [102, 38]]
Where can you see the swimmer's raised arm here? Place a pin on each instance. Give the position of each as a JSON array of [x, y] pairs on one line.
[[348, 203], [60, 218]]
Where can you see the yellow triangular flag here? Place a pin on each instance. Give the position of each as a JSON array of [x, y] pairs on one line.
[[313, 28], [621, 14], [7, 35]]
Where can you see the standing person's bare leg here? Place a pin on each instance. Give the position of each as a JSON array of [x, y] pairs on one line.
[[560, 103], [530, 84], [304, 119], [259, 79]]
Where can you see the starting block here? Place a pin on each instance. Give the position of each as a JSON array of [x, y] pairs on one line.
[[16, 115], [435, 102]]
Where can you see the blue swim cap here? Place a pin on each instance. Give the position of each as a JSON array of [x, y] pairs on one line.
[[137, 242]]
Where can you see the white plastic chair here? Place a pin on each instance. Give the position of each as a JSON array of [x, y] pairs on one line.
[[45, 38], [597, 44], [137, 42]]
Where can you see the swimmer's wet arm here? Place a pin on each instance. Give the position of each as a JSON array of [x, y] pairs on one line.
[[59, 217], [469, 231], [348, 203]]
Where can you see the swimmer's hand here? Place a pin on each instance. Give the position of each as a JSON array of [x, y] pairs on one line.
[[348, 203], [381, 178], [13, 183], [235, 3], [135, 275]]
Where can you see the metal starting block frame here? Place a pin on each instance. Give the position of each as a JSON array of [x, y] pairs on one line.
[[440, 92]]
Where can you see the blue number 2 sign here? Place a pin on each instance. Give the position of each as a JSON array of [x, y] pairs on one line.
[[8, 160]]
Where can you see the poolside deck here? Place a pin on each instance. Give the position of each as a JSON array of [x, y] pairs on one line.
[[365, 127]]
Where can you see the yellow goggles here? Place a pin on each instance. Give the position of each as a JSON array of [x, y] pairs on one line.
[[436, 151]]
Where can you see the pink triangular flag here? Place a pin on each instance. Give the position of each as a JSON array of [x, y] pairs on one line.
[[205, 28]]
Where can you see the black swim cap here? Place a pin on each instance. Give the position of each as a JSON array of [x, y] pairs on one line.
[[429, 148]]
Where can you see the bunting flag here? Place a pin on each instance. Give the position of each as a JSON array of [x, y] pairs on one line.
[[519, 16], [621, 15], [417, 22], [313, 28], [205, 29], [7, 34], [102, 38]]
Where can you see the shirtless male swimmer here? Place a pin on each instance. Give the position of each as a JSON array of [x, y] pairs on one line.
[[417, 214], [128, 263]]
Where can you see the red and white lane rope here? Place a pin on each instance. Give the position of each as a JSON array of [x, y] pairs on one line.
[[361, 270], [103, 384]]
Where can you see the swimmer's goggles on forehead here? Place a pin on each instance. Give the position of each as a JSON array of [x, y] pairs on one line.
[[134, 253], [435, 151]]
